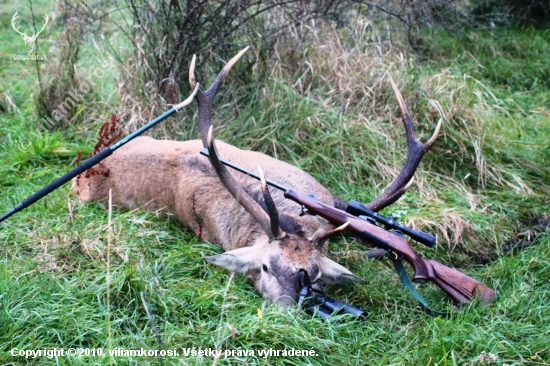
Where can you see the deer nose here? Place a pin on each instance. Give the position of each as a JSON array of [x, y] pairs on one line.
[[302, 278]]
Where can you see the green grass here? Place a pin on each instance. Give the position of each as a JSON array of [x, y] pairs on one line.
[[484, 183], [512, 58]]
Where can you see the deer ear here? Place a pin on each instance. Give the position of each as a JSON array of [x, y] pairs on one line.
[[239, 260], [333, 274]]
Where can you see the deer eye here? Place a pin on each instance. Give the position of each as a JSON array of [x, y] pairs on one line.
[[264, 268]]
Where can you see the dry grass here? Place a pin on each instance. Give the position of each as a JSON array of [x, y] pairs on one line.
[[349, 77]]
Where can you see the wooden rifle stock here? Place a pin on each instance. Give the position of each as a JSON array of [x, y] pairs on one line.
[[456, 284]]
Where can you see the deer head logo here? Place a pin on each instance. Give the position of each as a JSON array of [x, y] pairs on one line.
[[30, 41]]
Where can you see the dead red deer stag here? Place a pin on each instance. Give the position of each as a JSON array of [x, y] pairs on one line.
[[262, 234]]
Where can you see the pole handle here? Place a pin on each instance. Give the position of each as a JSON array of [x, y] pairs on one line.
[[86, 164]]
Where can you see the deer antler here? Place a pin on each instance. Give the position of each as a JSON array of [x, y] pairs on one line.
[[269, 223], [322, 234], [43, 26], [271, 208], [13, 19], [205, 98], [416, 151]]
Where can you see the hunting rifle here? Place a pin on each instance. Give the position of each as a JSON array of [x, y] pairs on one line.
[[457, 285]]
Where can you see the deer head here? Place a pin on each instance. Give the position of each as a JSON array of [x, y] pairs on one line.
[[275, 259], [30, 41]]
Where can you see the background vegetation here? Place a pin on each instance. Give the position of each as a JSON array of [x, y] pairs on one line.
[[312, 91]]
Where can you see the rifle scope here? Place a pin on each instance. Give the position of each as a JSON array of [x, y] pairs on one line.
[[358, 209]]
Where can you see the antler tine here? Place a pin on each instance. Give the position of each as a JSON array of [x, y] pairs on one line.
[[205, 98], [189, 99], [271, 208], [192, 80], [416, 151], [320, 236], [244, 199]]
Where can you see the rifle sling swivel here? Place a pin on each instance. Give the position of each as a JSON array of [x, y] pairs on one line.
[[397, 261]]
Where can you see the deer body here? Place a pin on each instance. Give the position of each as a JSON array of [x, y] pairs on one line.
[[173, 178], [264, 236]]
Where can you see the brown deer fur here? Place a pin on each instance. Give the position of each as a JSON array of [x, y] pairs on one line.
[[172, 177]]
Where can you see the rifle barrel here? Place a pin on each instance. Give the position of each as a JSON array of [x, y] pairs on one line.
[[354, 208], [205, 152]]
